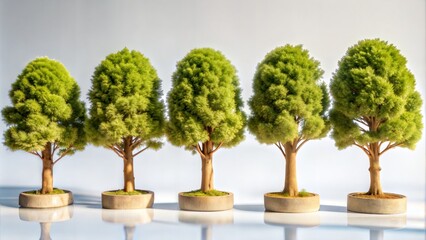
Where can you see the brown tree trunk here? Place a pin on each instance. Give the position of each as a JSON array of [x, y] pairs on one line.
[[375, 184], [129, 177], [290, 184], [47, 173], [207, 167]]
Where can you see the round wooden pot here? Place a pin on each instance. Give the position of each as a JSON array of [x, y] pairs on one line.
[[111, 201], [28, 200], [206, 203], [292, 204], [396, 204]]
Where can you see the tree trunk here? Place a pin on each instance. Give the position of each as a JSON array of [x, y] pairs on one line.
[[207, 167], [47, 173], [375, 185], [290, 184], [129, 177]]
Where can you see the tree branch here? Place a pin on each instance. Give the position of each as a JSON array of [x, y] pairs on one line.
[[145, 148], [36, 154], [218, 146], [279, 146], [63, 154], [135, 143], [198, 148], [301, 144], [117, 151], [363, 148], [389, 146]]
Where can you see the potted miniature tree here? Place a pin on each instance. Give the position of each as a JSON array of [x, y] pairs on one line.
[[127, 117], [289, 109], [205, 111], [47, 121], [376, 108]]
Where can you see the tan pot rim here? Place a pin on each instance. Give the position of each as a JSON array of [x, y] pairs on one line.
[[229, 194], [356, 195], [314, 195], [115, 195]]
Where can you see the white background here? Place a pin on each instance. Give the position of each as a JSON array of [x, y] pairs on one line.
[[81, 33]]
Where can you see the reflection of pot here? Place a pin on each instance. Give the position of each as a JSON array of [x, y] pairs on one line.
[[206, 203], [377, 224], [111, 201], [129, 218], [292, 219], [395, 205], [291, 222], [207, 220], [28, 200], [45, 217]]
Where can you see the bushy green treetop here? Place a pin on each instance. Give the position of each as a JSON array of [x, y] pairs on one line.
[[375, 100], [289, 101], [46, 109], [126, 102], [205, 102]]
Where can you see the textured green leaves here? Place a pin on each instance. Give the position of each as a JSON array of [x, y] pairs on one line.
[[46, 108], [125, 97], [205, 95], [289, 102], [373, 85]]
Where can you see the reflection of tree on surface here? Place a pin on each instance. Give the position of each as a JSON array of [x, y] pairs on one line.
[[45, 231], [129, 231], [46, 217]]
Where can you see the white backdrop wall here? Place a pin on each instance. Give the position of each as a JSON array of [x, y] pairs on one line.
[[81, 33]]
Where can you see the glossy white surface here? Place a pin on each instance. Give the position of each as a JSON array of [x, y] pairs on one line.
[[86, 220]]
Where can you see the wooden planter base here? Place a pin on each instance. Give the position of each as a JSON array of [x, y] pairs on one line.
[[395, 205], [127, 201], [27, 200], [206, 204], [292, 204]]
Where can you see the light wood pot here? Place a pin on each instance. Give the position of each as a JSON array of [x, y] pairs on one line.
[[377, 205], [206, 203], [28, 200], [110, 201], [292, 204]]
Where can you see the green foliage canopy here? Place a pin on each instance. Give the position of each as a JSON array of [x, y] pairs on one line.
[[375, 98], [46, 109], [289, 102], [125, 101], [205, 96]]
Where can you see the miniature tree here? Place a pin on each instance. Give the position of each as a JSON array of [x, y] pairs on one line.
[[47, 116], [376, 106], [126, 114], [289, 105], [205, 107]]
